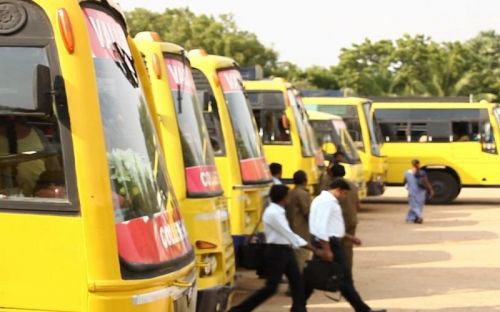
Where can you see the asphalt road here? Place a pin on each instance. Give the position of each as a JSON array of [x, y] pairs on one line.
[[449, 263]]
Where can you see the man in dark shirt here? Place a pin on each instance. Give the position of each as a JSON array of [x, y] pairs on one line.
[[297, 213]]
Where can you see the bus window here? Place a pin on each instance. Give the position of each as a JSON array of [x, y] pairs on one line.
[[30, 144], [487, 134], [210, 112], [305, 132], [269, 112], [30, 158], [496, 112]]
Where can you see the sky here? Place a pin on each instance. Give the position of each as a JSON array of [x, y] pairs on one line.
[[313, 32]]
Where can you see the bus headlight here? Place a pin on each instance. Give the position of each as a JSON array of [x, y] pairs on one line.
[[208, 265]]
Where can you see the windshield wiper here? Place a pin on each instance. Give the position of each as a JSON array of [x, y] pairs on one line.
[[126, 65]]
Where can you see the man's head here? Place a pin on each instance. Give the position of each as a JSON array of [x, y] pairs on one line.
[[339, 188], [415, 163], [337, 171], [279, 194], [338, 156], [276, 170], [300, 177]]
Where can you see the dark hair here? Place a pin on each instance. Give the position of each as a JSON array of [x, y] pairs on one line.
[[337, 170], [275, 168], [338, 153], [299, 177], [340, 184], [415, 162], [278, 192]]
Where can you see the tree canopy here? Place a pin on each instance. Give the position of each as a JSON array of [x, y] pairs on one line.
[[411, 65]]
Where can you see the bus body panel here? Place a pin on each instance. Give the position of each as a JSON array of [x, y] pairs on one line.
[[471, 164], [206, 216], [374, 166], [246, 200], [69, 260], [274, 152]]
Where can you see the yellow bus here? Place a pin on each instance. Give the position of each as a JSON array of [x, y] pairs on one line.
[[356, 113], [454, 139], [88, 216], [238, 152], [284, 129], [195, 178], [332, 135]]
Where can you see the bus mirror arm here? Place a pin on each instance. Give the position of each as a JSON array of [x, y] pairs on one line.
[[42, 87]]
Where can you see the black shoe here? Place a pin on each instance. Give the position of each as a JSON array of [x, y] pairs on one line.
[[378, 310], [419, 220]]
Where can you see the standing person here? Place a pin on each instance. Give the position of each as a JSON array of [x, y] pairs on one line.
[[279, 256], [297, 213], [326, 224], [276, 171], [418, 186], [350, 206]]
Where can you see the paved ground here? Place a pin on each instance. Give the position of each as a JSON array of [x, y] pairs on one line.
[[449, 263]]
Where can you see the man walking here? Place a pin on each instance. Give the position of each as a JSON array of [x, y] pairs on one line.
[[350, 206], [279, 255], [297, 212], [326, 224]]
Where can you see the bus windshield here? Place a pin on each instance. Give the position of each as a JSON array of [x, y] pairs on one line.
[[347, 144], [306, 135], [245, 130], [496, 111], [375, 135], [202, 178], [349, 114], [148, 235]]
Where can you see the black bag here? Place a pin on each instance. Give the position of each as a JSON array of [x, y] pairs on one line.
[[251, 253], [323, 275]]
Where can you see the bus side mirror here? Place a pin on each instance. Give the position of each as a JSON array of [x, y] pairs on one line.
[[204, 98], [42, 86], [285, 122]]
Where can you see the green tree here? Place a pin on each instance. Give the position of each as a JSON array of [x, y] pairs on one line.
[[219, 35]]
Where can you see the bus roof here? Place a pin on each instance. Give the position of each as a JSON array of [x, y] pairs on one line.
[[422, 99], [215, 61], [335, 100], [432, 105], [152, 37], [315, 115], [278, 84]]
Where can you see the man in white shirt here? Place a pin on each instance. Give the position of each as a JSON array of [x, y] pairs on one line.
[[279, 256], [326, 224]]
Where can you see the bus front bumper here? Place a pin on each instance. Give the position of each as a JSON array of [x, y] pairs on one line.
[[214, 299]]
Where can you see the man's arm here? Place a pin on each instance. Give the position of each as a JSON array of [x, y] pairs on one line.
[[353, 239]]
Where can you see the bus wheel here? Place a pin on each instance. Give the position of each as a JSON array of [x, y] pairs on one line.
[[445, 186]]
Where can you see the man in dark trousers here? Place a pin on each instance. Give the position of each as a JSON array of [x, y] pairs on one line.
[[280, 259], [297, 213], [350, 206], [326, 224]]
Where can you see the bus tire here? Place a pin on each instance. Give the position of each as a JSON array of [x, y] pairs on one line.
[[446, 187]]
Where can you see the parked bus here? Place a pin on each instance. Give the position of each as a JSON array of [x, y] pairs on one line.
[[284, 129], [454, 141], [238, 152], [195, 177], [332, 135], [356, 114], [88, 217]]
